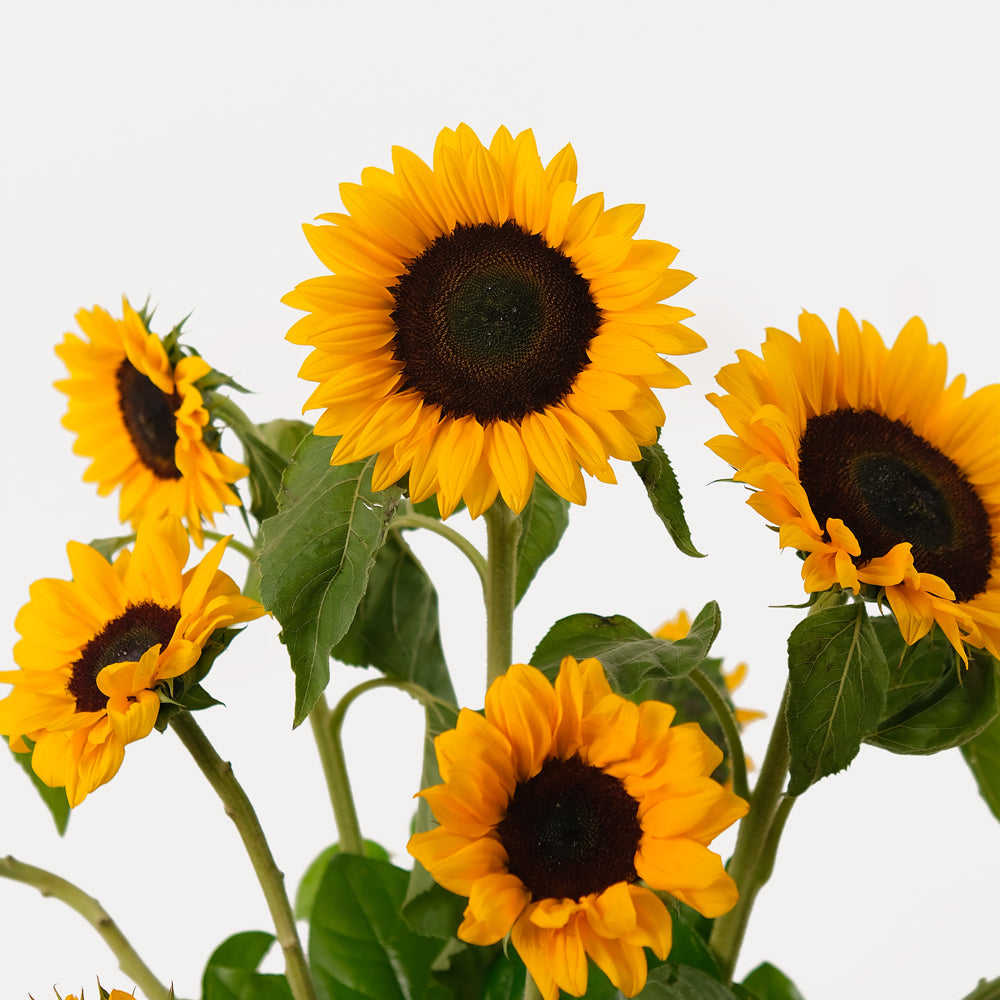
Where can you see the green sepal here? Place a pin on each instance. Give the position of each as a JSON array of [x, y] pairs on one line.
[[767, 982], [54, 798], [629, 654], [305, 895], [231, 972], [661, 484], [837, 682], [267, 449], [982, 754], [316, 556], [360, 948], [543, 521], [934, 702]]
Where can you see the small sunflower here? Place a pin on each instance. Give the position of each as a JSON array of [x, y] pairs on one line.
[[142, 420], [94, 648], [883, 475], [481, 325], [554, 806]]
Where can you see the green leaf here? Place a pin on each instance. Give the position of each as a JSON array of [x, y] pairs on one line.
[[54, 798], [396, 626], [837, 677], [982, 754], [629, 654], [681, 982], [665, 495], [305, 896], [109, 547], [544, 519], [769, 983], [231, 973], [267, 450], [934, 702], [245, 951], [359, 945], [316, 557]]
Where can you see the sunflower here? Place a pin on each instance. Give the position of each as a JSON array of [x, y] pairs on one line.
[[480, 325], [554, 806], [94, 648], [141, 419], [886, 478]]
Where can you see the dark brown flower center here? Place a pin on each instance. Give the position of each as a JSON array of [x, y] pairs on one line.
[[148, 414], [571, 830], [889, 485], [491, 322], [122, 640]]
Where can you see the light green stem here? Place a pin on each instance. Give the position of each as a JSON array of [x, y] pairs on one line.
[[326, 725], [238, 808], [246, 551], [731, 728], [531, 990], [91, 910], [503, 528], [456, 538]]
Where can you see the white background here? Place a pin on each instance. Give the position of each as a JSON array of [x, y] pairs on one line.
[[799, 155]]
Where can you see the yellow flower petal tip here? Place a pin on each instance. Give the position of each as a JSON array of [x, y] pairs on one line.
[[481, 325]]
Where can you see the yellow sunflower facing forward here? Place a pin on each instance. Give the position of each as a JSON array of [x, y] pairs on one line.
[[142, 421], [556, 804], [481, 324], [94, 648], [875, 468]]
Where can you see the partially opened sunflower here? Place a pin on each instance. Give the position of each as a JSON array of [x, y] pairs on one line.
[[880, 472], [481, 324], [555, 804]]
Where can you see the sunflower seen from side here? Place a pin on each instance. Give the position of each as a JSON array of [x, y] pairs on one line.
[[481, 325], [884, 475], [94, 649], [141, 418], [555, 804]]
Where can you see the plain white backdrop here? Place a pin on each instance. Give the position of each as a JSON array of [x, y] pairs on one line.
[[799, 155]]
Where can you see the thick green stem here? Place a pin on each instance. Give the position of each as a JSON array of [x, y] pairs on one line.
[[238, 808], [91, 910], [456, 538], [731, 729], [503, 529], [326, 726]]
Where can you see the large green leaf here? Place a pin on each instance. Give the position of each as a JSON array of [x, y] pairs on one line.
[[769, 983], [661, 484], [681, 982], [629, 654], [934, 702], [231, 973], [359, 945], [982, 753], [305, 895], [54, 798], [837, 677], [543, 521], [316, 558]]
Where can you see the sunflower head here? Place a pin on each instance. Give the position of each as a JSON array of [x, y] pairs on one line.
[[96, 648], [481, 324], [883, 475], [138, 413], [562, 807]]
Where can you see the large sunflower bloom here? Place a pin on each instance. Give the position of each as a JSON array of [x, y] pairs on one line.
[[481, 325], [554, 806], [876, 469], [94, 648], [142, 421]]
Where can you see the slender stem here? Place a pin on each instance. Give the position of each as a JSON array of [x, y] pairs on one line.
[[502, 531], [413, 520], [91, 910], [985, 990], [326, 730], [244, 550], [234, 417], [531, 990], [731, 728], [238, 808]]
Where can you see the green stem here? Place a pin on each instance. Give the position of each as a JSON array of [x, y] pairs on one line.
[[531, 990], [502, 531], [326, 726], [91, 910], [234, 417], [413, 520], [244, 550], [238, 808], [731, 728], [985, 990]]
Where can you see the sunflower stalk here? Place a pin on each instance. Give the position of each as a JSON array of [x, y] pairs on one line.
[[503, 528], [50, 884], [731, 729], [475, 557], [326, 725], [239, 809]]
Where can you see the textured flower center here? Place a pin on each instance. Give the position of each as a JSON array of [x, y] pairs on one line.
[[571, 830], [491, 322], [148, 414], [889, 485], [122, 640]]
